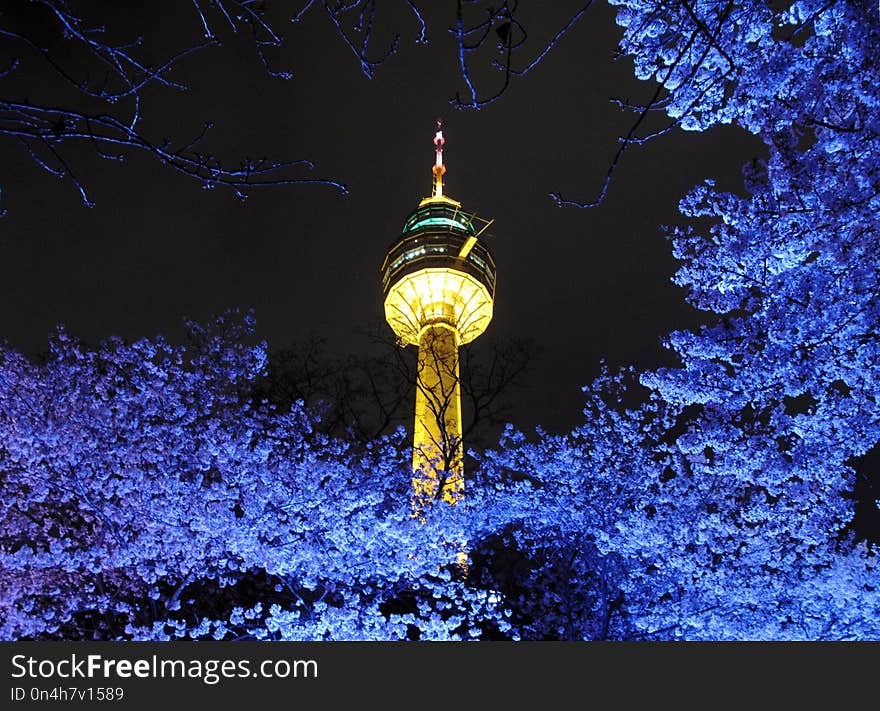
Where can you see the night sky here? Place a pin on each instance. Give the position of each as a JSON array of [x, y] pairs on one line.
[[586, 285]]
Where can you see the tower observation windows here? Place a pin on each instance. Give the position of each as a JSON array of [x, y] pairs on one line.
[[438, 216], [433, 237]]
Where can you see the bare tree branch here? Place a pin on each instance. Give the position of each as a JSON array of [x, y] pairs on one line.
[[109, 78]]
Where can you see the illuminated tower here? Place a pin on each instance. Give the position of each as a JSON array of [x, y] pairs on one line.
[[439, 285]]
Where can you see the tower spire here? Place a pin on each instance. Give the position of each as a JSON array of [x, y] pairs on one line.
[[439, 169]]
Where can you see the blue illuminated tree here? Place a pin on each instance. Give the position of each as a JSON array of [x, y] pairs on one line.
[[785, 379], [778, 394], [632, 527], [147, 495]]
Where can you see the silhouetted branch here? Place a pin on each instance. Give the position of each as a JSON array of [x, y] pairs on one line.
[[51, 127], [512, 36], [109, 78], [355, 22]]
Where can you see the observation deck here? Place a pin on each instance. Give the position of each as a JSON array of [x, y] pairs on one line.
[[438, 272]]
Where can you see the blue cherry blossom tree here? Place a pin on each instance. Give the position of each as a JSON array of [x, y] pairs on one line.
[[784, 378], [146, 495], [632, 527], [777, 395]]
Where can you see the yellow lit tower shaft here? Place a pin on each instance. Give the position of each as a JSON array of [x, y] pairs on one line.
[[439, 287]]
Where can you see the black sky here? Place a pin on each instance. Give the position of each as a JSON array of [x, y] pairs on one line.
[[586, 285]]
